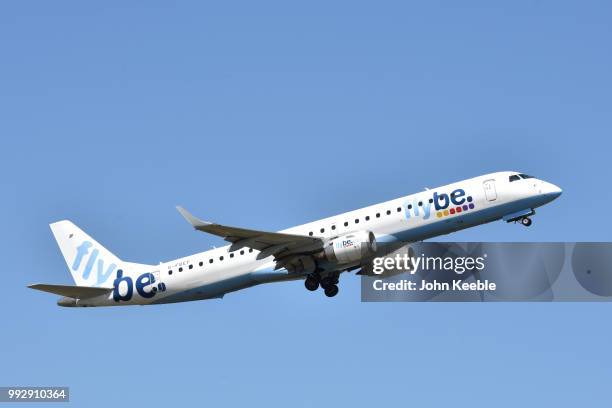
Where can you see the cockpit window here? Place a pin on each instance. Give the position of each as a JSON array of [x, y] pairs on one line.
[[525, 176], [514, 177]]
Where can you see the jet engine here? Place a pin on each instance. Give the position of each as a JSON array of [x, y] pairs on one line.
[[351, 247]]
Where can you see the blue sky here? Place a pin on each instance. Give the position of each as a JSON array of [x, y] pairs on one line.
[[268, 115]]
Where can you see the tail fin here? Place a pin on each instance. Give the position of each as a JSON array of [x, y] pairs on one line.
[[89, 262]]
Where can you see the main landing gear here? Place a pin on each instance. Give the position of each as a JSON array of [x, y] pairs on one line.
[[329, 284], [311, 283], [526, 221]]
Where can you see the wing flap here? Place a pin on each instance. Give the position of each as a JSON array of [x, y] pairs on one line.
[[77, 292]]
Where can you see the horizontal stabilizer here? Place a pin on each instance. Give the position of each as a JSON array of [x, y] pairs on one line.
[[77, 292]]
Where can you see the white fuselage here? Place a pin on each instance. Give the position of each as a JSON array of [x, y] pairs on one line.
[[416, 217]]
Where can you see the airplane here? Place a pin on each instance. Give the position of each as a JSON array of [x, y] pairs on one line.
[[316, 252]]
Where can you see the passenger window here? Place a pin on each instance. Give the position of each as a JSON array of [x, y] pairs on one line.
[[231, 255], [220, 258], [367, 218], [377, 215], [201, 263], [333, 227], [242, 252], [210, 261], [170, 272], [310, 233], [356, 220], [190, 266], [346, 224], [388, 212], [180, 269], [399, 209], [250, 249]]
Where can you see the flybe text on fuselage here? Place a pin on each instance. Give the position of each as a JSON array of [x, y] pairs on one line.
[[123, 286], [443, 204]]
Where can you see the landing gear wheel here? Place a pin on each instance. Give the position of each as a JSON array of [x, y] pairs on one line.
[[331, 290], [325, 282], [311, 283], [526, 221]]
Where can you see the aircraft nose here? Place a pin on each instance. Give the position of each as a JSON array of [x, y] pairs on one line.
[[551, 191]]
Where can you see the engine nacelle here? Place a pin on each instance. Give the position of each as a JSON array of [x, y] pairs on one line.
[[351, 247]]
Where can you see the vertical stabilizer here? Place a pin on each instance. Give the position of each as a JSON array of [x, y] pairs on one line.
[[89, 262]]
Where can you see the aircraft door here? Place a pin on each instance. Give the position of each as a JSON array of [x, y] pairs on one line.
[[490, 191]]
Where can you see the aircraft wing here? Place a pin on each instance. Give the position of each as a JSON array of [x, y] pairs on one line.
[[269, 243], [80, 292]]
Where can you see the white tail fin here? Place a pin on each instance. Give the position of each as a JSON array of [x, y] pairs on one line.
[[89, 262]]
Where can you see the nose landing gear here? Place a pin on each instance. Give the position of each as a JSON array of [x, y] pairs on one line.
[[523, 216]]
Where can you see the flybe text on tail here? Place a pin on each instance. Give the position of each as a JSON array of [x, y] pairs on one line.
[[103, 272]]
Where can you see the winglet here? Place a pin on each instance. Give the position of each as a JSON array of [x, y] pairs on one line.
[[195, 222]]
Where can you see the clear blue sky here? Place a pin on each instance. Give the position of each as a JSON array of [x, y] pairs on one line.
[[267, 115]]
